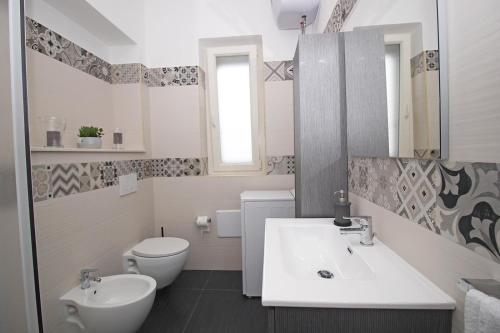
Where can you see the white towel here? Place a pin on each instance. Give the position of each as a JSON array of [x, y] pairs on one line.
[[482, 313]]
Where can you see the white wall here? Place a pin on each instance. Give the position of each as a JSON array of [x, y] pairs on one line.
[[174, 27], [369, 12], [129, 17], [47, 15], [474, 66]]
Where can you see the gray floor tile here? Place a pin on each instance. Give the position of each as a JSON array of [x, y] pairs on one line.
[[171, 311], [228, 312], [191, 280], [225, 280]]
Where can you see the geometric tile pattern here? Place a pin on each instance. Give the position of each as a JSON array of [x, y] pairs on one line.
[[416, 187], [417, 64], [171, 76], [50, 43], [89, 177], [432, 60], [460, 201], [40, 178], [58, 180], [280, 165], [126, 73], [427, 60], [65, 179], [339, 14], [468, 206], [278, 70]]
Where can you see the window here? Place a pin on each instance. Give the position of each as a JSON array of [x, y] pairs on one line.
[[235, 110]]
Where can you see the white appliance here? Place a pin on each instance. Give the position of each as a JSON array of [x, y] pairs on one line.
[[288, 13], [256, 206]]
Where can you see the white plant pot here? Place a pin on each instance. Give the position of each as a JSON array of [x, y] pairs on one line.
[[90, 143]]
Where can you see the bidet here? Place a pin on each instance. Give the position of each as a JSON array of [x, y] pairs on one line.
[[117, 304]]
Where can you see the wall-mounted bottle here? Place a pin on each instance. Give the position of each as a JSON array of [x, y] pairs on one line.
[[342, 208]]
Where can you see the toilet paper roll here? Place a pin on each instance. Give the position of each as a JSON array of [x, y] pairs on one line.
[[202, 221]]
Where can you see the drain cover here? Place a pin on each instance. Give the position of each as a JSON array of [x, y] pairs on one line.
[[325, 274]]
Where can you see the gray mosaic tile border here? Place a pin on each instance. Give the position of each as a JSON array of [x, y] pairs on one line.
[[460, 201], [280, 165], [427, 60], [170, 76], [52, 44], [126, 73], [339, 14], [278, 70], [48, 42], [60, 180]]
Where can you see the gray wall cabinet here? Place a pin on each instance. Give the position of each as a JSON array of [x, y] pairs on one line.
[[327, 88]]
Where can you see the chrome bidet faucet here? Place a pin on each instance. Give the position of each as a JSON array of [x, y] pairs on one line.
[[364, 230], [86, 277]]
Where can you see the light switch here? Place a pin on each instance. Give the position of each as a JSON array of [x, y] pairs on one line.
[[128, 184]]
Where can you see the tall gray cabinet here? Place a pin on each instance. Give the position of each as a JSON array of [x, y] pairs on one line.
[[327, 102]]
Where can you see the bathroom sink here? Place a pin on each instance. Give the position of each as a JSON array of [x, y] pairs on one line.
[[308, 249], [119, 303], [308, 263]]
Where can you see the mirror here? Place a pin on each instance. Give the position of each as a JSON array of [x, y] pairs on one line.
[[414, 110]]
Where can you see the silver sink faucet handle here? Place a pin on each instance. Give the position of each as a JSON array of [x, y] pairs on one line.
[[86, 278], [364, 230], [362, 220]]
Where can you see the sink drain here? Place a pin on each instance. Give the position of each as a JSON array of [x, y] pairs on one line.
[[325, 274]]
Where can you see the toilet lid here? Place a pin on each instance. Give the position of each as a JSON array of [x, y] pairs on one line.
[[160, 247]]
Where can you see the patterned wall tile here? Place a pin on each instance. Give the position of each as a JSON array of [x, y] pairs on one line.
[[460, 201], [416, 187], [339, 14], [274, 71], [65, 179], [41, 182], [417, 64], [375, 180], [469, 206], [50, 43], [89, 177], [288, 65], [108, 173], [427, 60], [280, 165], [58, 180], [171, 76], [126, 73], [432, 60]]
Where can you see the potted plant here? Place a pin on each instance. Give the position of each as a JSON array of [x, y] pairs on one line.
[[90, 137]]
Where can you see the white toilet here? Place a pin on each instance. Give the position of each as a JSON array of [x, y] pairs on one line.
[[162, 258]]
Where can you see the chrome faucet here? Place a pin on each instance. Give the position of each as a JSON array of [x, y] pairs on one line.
[[364, 230], [86, 277]]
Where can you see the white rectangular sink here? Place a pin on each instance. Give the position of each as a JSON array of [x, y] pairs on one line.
[[363, 276]]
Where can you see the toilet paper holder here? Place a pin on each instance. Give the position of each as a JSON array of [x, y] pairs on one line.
[[203, 222]]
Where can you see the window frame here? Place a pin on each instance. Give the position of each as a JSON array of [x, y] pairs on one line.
[[215, 164]]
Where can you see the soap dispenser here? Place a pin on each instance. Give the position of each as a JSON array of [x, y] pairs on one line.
[[342, 208]]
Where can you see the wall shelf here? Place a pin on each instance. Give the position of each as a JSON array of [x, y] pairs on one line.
[[84, 150]]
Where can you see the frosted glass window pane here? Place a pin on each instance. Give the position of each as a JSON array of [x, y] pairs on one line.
[[235, 122], [392, 54]]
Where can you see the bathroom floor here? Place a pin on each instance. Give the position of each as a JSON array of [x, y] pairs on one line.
[[206, 301]]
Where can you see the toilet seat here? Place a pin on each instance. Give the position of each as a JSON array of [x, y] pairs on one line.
[[160, 247]]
